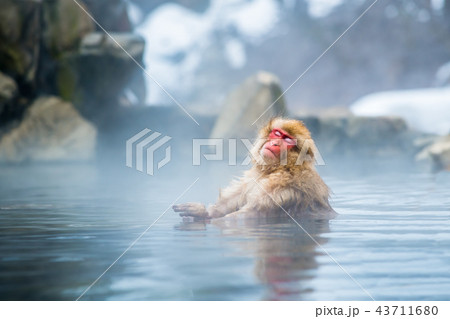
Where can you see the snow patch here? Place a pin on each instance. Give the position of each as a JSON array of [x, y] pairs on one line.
[[427, 110], [235, 53], [254, 19], [322, 8], [437, 5]]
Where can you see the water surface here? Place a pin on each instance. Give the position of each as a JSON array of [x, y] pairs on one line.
[[62, 226]]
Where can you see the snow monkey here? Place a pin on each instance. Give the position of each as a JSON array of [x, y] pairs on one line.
[[282, 180]]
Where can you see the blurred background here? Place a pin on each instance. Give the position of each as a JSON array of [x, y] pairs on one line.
[[71, 92]]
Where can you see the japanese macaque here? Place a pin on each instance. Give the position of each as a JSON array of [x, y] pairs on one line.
[[282, 180]]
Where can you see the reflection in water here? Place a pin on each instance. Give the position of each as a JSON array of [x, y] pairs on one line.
[[284, 253]]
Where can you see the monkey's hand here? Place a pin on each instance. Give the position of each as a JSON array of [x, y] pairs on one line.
[[192, 209]]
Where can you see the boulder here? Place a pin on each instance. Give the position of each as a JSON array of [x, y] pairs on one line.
[[99, 44], [378, 136], [51, 130], [247, 104], [436, 156], [8, 95], [65, 24], [35, 36], [97, 78], [112, 15], [365, 135], [365, 143], [195, 5], [20, 29]]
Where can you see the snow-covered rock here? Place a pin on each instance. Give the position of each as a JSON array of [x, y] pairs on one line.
[[52, 130], [426, 110], [437, 155]]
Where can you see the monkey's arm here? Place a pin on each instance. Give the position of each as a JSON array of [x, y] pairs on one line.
[[227, 203], [191, 209]]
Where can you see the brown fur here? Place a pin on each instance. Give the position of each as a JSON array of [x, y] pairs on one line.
[[269, 185]]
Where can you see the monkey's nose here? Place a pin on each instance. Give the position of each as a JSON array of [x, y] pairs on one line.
[[275, 143]]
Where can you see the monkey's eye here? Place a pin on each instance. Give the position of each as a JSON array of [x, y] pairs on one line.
[[277, 133], [289, 140]]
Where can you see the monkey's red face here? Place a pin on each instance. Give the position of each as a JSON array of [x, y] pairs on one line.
[[278, 141]]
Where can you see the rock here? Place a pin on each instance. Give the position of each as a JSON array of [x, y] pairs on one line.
[[65, 24], [20, 29], [330, 134], [8, 88], [99, 44], [51, 130], [247, 104], [112, 15], [436, 157], [333, 111], [367, 136], [195, 5], [97, 77], [8, 94], [365, 143], [34, 35], [376, 135]]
